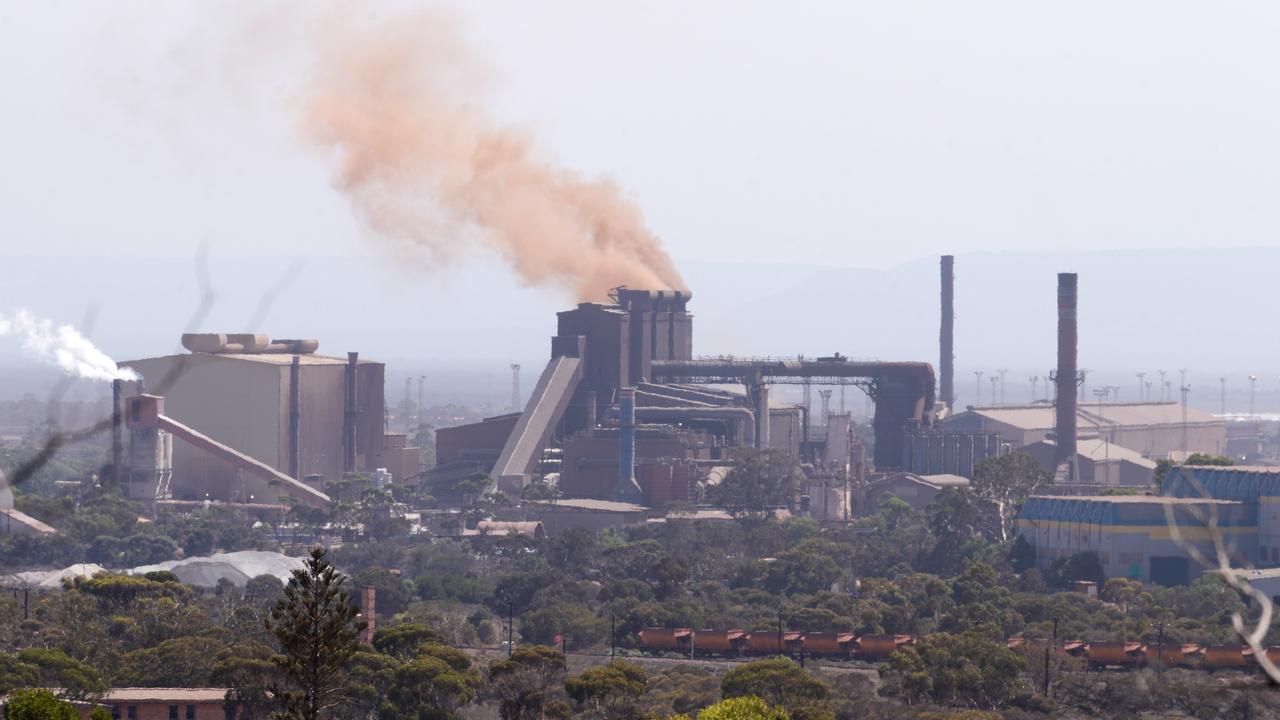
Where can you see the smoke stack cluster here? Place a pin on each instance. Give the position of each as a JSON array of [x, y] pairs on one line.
[[1065, 405], [946, 335]]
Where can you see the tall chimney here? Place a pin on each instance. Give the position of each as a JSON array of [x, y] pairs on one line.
[[117, 437], [1065, 404], [946, 335], [350, 416], [628, 490], [368, 612], [295, 418]]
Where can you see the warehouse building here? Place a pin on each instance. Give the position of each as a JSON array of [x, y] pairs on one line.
[[1257, 486], [1152, 429], [1098, 462], [1132, 534]]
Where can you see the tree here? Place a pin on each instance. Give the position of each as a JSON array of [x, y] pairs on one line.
[[402, 641], [743, 708], [1007, 480], [778, 681], [761, 480], [521, 682], [315, 624], [957, 670], [1080, 566], [38, 705], [609, 691], [435, 683]]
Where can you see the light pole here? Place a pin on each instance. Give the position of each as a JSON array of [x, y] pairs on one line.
[[1084, 381], [1101, 393], [1253, 391], [994, 380], [1002, 371], [977, 374], [1186, 390], [1222, 400], [1034, 380], [1141, 384], [1164, 386]]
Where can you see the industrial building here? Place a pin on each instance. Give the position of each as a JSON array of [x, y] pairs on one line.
[[1098, 462], [255, 419], [918, 491], [1154, 430], [1132, 536], [624, 412]]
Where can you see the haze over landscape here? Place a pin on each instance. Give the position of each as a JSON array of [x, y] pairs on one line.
[[724, 360]]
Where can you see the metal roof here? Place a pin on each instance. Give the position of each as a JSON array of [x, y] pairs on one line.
[[592, 504], [1142, 414], [1100, 450], [263, 359]]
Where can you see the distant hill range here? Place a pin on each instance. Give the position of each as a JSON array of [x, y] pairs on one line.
[[1208, 310]]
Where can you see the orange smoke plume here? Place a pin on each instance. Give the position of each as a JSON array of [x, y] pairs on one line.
[[425, 168]]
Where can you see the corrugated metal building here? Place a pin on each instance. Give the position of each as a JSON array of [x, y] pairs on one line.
[[1132, 535], [1099, 463], [1258, 486], [1152, 429]]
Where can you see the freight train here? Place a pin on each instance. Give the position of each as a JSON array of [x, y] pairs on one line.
[[878, 648]]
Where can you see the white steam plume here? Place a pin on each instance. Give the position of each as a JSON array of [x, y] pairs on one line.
[[62, 345]]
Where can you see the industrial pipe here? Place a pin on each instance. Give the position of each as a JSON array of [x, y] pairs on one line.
[[295, 418], [627, 490], [117, 438], [946, 334], [745, 418], [350, 415]]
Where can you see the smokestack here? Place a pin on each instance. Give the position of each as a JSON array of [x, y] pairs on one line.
[[368, 612], [946, 335], [117, 438], [295, 418], [628, 490], [350, 416], [1065, 404]]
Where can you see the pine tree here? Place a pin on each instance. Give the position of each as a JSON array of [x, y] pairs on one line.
[[315, 624]]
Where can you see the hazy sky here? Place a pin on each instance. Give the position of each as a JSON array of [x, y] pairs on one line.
[[854, 133]]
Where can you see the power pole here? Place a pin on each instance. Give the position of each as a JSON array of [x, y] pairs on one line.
[[421, 379], [511, 627], [1047, 648], [1160, 649]]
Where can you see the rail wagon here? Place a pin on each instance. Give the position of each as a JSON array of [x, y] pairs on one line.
[[766, 642], [1227, 656], [879, 647], [1123, 654], [830, 644], [724, 642], [670, 639]]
